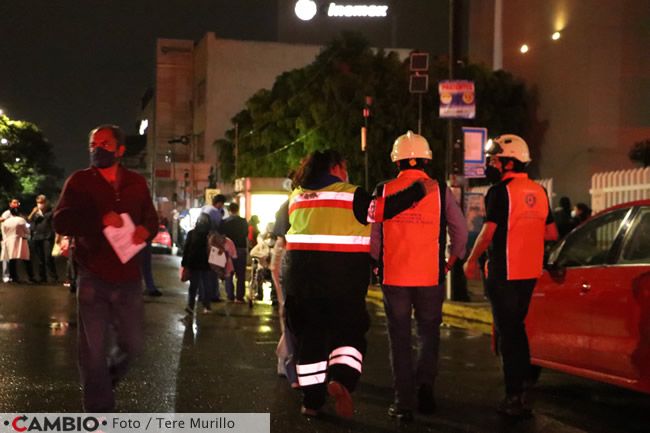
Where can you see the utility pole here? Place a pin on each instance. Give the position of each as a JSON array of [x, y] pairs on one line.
[[450, 124], [236, 147]]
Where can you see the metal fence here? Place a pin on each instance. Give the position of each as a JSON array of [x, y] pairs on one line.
[[615, 187]]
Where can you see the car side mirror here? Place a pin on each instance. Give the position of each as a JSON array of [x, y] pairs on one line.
[[556, 271]]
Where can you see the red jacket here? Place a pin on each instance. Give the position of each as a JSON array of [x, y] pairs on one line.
[[85, 199]]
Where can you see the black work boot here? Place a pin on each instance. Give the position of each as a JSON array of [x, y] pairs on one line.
[[513, 406]]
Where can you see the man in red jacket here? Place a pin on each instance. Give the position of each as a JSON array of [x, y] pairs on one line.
[[109, 291]]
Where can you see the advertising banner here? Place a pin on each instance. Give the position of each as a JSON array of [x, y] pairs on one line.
[[457, 99]]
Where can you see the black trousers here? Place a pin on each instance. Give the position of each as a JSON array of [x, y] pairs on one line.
[[43, 252], [326, 311], [510, 300]]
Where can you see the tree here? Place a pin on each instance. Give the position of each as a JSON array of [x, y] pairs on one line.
[[640, 153], [26, 162], [319, 106]]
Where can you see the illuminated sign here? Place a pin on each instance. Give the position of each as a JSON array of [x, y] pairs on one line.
[[307, 9], [347, 11]]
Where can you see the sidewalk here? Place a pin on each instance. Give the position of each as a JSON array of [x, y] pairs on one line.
[[476, 316]]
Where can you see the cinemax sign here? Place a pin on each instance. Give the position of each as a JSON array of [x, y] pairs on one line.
[[307, 9]]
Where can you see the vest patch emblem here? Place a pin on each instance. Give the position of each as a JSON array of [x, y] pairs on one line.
[[530, 200]]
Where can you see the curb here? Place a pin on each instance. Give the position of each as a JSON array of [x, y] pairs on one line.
[[475, 316]]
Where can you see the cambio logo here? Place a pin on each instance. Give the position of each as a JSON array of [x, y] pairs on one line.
[[24, 423]]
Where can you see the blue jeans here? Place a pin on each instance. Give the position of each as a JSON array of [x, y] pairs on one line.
[[108, 313], [427, 303], [201, 283], [240, 271]]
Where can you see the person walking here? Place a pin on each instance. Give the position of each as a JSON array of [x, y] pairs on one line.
[[195, 259], [109, 292], [410, 249], [518, 221], [328, 272], [236, 229], [43, 239], [15, 245], [285, 349], [216, 213]]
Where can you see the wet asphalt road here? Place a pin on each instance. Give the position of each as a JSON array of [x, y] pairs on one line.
[[225, 362]]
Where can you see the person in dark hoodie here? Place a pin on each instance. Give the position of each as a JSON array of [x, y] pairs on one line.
[[195, 259]]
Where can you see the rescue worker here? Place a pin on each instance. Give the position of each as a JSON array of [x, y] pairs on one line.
[[518, 221], [328, 272], [411, 253]]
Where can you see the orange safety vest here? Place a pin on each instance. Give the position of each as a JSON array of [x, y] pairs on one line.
[[411, 240], [527, 213]]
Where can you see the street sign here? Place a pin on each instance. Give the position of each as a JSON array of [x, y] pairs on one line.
[[474, 140], [419, 83], [419, 62], [457, 99]]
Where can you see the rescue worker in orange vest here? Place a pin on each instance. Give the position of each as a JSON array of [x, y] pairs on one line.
[[328, 272], [410, 249], [518, 221]]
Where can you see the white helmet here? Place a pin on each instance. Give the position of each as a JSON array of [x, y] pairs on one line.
[[510, 146], [410, 145]]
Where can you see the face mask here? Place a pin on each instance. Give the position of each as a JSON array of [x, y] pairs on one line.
[[14, 211], [574, 214], [102, 158], [492, 174]]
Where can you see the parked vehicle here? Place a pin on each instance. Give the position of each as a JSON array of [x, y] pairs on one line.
[[162, 242], [590, 311]]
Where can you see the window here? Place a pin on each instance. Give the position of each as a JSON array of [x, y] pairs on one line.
[[590, 245], [637, 245]]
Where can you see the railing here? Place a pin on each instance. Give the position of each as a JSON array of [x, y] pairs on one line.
[[615, 187]]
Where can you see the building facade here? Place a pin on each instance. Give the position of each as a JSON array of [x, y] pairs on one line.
[[592, 78], [199, 87]]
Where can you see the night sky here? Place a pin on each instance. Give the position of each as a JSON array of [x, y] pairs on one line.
[[69, 65]]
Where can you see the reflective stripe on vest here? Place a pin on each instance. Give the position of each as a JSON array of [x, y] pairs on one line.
[[527, 213], [323, 220], [411, 240]]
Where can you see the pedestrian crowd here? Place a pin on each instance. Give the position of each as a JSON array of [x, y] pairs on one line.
[[328, 239]]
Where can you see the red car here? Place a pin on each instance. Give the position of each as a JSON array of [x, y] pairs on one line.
[[590, 311], [162, 241]]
